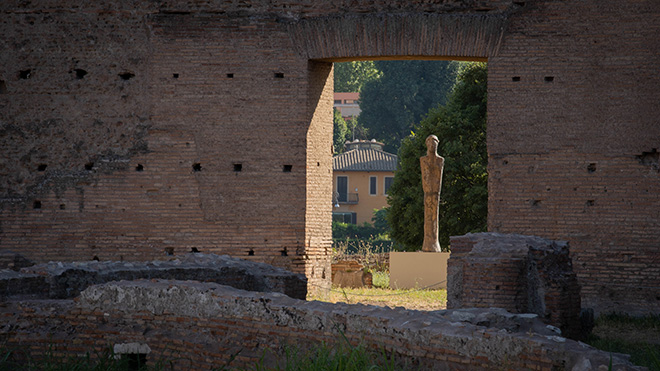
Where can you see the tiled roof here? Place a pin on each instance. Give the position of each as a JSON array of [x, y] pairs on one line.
[[364, 160]]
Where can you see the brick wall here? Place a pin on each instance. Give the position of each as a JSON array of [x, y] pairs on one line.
[[570, 115], [123, 125], [202, 325], [522, 274]]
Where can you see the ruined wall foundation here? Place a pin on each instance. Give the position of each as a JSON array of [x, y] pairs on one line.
[[197, 325], [522, 274]]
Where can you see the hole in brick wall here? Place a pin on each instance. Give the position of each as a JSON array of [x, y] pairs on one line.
[[549, 79], [251, 252], [323, 274], [591, 168], [284, 252], [3, 87], [497, 287], [318, 164], [536, 203], [175, 75], [80, 73], [89, 166], [519, 3], [651, 159], [139, 167], [279, 75], [230, 75], [169, 251], [96, 258], [287, 168], [62, 206], [42, 167], [194, 250], [25, 74], [238, 167], [126, 75], [134, 361], [36, 205], [590, 202], [505, 162], [515, 78], [197, 166]]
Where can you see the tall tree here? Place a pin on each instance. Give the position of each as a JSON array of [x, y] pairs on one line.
[[351, 76], [460, 126], [405, 92], [340, 132]]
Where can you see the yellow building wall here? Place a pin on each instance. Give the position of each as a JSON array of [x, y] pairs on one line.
[[367, 203]]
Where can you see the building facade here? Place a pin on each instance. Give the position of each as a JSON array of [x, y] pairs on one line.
[[361, 178], [347, 104]]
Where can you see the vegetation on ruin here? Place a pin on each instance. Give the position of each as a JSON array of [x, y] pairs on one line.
[[637, 336], [341, 356], [460, 125]]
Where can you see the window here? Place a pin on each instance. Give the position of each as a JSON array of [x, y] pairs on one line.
[[388, 183], [373, 185], [347, 217], [337, 101], [342, 188]]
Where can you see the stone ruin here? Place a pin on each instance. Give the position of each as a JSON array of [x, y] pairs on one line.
[[58, 280], [522, 274], [160, 311]]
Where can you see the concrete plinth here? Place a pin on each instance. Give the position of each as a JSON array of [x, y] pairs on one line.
[[409, 270]]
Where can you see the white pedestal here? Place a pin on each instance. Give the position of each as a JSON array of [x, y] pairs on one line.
[[409, 270]]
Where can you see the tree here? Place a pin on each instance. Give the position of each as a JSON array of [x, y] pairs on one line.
[[405, 92], [339, 132], [351, 76], [461, 128]]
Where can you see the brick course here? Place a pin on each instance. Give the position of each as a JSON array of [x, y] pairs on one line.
[[201, 325]]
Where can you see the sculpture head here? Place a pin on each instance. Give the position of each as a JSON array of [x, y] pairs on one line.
[[432, 145]]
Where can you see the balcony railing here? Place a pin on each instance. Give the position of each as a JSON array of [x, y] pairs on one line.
[[345, 198]]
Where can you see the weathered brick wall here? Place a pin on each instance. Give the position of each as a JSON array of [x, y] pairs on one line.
[[123, 125], [193, 325], [522, 274], [572, 108]]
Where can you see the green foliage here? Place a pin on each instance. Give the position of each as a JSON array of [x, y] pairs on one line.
[[460, 126], [353, 231], [405, 92], [339, 132], [351, 76], [637, 336], [341, 356], [381, 225]]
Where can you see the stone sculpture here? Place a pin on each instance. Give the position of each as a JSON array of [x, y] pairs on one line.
[[432, 165]]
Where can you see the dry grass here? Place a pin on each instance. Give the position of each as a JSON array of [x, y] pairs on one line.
[[382, 296]]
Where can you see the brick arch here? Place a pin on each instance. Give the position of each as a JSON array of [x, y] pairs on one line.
[[400, 36]]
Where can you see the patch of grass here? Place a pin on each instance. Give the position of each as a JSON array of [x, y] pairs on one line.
[[382, 296], [380, 280], [637, 336], [13, 359], [341, 356]]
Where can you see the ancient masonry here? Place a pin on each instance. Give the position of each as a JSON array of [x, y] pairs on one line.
[[73, 309], [522, 274], [134, 130]]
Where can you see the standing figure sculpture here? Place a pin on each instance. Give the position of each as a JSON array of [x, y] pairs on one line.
[[432, 165]]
